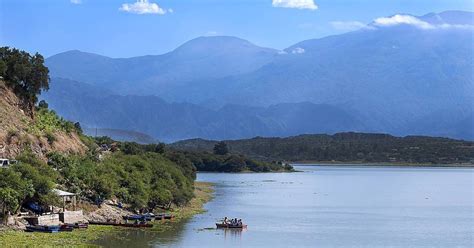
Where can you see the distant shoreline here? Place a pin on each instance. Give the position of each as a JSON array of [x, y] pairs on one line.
[[374, 164]]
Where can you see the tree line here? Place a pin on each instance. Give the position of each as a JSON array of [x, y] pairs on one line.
[[345, 147]]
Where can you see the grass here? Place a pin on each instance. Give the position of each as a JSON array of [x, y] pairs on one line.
[[85, 238]]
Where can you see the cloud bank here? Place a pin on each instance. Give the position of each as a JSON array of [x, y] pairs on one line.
[[402, 19], [142, 7], [76, 1], [416, 22], [295, 4]]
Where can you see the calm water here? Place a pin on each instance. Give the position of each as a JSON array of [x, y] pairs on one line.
[[330, 207]]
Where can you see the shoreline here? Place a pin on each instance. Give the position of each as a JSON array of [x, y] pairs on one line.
[[204, 192], [378, 164]]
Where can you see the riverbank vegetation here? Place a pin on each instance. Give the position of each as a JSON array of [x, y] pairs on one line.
[[87, 237], [345, 147]]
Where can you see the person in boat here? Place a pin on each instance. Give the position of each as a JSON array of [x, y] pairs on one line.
[[225, 220], [239, 223]]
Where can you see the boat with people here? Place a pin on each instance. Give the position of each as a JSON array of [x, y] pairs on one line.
[[232, 223], [220, 225]]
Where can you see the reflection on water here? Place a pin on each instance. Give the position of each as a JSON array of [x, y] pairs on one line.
[[328, 207]]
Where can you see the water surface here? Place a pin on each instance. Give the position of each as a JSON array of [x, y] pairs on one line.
[[331, 207]]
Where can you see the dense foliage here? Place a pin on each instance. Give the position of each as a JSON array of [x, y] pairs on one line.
[[220, 148], [346, 147], [47, 121], [200, 161], [205, 161], [147, 180], [26, 74], [31, 180]]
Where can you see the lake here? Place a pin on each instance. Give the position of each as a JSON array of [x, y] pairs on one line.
[[330, 206]]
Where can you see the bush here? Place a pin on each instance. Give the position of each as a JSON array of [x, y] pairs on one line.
[[50, 137]]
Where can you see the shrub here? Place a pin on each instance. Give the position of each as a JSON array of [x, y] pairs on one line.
[[50, 137]]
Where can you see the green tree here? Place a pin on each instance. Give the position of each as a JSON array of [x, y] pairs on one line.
[[9, 200], [13, 190], [43, 104], [221, 148], [160, 148], [24, 73], [78, 127]]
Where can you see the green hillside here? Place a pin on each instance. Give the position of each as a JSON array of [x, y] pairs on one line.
[[346, 147]]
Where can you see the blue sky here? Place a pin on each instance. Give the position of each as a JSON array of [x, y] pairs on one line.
[[119, 28]]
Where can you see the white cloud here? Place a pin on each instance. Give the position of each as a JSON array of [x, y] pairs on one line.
[[348, 25], [295, 4], [76, 1], [144, 7], [402, 19], [413, 21], [459, 26], [298, 50]]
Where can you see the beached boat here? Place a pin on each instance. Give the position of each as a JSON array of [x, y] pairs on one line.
[[146, 217], [102, 223], [66, 228], [139, 225], [79, 225], [164, 216], [221, 225], [45, 229], [135, 225]]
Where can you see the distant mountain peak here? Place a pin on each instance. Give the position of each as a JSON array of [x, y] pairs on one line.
[[77, 53], [218, 43]]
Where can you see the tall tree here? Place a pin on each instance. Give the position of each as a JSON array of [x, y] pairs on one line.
[[25, 74], [221, 148]]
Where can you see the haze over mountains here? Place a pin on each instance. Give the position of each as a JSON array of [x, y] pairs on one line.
[[400, 74]]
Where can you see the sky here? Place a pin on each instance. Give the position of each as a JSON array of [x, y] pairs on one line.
[[127, 28]]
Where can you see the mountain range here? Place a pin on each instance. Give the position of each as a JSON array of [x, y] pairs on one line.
[[401, 74]]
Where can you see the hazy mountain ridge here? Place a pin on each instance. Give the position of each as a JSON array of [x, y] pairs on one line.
[[394, 79], [174, 121], [203, 58]]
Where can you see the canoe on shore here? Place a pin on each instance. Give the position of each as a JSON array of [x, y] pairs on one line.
[[220, 225], [45, 229], [147, 217], [79, 225], [164, 216], [66, 228], [139, 225], [144, 225]]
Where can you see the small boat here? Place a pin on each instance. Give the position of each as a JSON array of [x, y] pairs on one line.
[[66, 228], [79, 225], [164, 216], [102, 223], [221, 225], [135, 225], [41, 228], [146, 217]]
